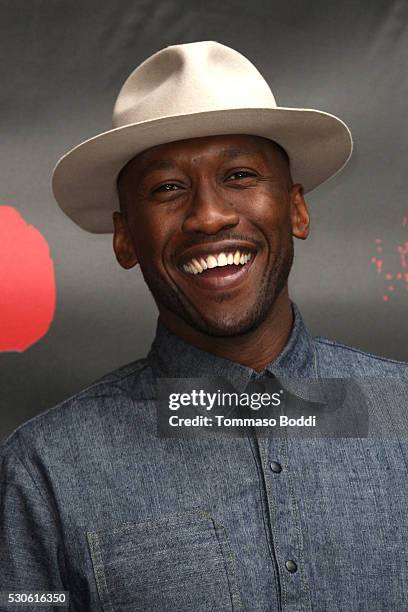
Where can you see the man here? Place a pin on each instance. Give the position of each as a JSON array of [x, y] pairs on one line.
[[210, 177]]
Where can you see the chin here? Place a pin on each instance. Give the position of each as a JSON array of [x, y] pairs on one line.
[[223, 322], [230, 326]]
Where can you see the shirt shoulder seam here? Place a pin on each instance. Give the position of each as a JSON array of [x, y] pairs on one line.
[[20, 460]]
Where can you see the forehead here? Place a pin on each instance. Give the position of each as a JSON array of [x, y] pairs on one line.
[[218, 148]]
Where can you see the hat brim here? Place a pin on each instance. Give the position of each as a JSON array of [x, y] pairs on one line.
[[84, 180]]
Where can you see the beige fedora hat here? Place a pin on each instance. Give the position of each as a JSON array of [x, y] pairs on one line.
[[188, 91]]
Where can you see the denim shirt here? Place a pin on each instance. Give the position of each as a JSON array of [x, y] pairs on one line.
[[95, 503]]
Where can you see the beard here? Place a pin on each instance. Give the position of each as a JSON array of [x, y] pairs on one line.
[[272, 283]]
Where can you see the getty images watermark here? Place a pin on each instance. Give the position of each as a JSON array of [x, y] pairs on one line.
[[203, 406]]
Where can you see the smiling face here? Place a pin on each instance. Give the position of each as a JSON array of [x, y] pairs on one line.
[[210, 221]]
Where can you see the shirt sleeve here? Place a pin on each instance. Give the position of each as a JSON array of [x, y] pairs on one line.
[[31, 551]]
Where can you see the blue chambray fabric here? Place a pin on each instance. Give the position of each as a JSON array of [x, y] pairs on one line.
[[92, 501]]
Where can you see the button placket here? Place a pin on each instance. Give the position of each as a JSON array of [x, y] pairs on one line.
[[285, 526]]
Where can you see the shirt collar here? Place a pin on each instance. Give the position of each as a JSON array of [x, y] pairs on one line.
[[172, 357]]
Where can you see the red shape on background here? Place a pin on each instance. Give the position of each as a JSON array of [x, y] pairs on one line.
[[390, 274], [27, 282]]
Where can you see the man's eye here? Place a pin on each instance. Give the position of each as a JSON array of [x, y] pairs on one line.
[[167, 187], [240, 174]]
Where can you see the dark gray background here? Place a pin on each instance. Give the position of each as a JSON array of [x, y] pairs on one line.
[[62, 65]]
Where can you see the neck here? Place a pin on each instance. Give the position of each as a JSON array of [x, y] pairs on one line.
[[254, 349]]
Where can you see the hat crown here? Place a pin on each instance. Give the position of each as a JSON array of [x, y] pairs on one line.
[[190, 78]]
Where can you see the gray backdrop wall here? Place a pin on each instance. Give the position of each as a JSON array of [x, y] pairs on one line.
[[63, 63]]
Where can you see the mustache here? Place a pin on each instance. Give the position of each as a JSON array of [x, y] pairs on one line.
[[201, 238]]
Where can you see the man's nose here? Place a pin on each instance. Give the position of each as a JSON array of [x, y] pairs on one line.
[[209, 212]]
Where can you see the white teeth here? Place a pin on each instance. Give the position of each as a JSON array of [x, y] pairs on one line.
[[211, 261], [222, 259], [198, 265]]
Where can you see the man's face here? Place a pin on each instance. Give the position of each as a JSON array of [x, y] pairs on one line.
[[210, 220]]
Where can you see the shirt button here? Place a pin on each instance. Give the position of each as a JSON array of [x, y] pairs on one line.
[[275, 467], [291, 566]]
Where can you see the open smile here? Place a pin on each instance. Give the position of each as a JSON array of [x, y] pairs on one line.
[[221, 266]]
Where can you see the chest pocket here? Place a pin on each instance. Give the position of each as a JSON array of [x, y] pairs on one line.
[[179, 563]]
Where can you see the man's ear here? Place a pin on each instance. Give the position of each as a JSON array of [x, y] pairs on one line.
[[122, 242], [299, 212]]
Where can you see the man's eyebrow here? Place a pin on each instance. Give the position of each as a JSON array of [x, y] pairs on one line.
[[232, 152], [168, 164], [158, 164]]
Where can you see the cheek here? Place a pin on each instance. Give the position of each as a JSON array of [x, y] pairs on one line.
[[264, 201], [271, 214], [151, 233]]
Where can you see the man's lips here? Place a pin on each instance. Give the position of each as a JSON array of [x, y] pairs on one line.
[[211, 248], [220, 276], [226, 277]]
